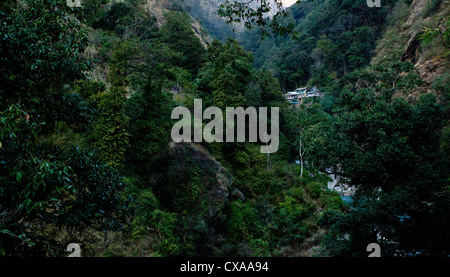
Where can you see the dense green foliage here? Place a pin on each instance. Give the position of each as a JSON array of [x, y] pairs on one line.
[[334, 37], [112, 138], [205, 12], [178, 35], [390, 149], [86, 96]]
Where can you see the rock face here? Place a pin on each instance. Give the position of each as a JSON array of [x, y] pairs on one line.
[[416, 9], [158, 8], [427, 58], [412, 51], [202, 185], [341, 188], [431, 69]]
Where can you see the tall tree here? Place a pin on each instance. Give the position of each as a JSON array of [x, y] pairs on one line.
[[40, 52], [111, 136], [227, 74], [149, 111], [178, 34], [389, 149]]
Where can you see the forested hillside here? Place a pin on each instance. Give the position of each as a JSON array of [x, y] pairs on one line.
[[206, 13], [335, 37], [86, 154], [379, 67]]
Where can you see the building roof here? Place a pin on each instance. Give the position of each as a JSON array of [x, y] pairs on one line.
[[293, 93]]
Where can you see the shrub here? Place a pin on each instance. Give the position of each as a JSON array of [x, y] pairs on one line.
[[40, 184], [241, 223], [111, 137]]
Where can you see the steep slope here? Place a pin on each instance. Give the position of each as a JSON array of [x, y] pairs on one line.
[[205, 12], [401, 39], [158, 8], [335, 37]]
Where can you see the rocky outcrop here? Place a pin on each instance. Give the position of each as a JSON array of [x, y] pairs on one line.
[[158, 8], [431, 69], [416, 10], [412, 50], [209, 186], [427, 58]]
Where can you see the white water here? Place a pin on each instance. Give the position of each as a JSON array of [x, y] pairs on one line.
[[345, 191]]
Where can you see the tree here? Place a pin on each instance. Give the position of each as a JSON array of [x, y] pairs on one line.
[[226, 75], [178, 34], [111, 137], [149, 110], [268, 89], [48, 184], [314, 126], [40, 52], [256, 13], [389, 149], [116, 15], [124, 62]]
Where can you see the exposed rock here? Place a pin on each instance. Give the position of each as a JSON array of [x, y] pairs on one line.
[[431, 69], [412, 50], [427, 60], [216, 180], [237, 194], [158, 8], [416, 9]]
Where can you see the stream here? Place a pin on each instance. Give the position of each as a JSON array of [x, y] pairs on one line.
[[345, 191]]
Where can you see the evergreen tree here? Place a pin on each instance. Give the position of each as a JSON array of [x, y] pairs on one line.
[[389, 149], [149, 111], [178, 34], [111, 137], [226, 76], [40, 52]]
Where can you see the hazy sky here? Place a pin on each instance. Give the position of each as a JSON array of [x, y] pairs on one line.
[[287, 3]]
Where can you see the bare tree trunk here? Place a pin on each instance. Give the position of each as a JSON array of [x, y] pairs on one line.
[[301, 148], [301, 153]]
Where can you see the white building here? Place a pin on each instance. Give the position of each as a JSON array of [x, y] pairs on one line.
[[296, 97]]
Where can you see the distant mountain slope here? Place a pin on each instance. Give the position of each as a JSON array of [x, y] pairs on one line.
[[158, 8], [206, 21], [401, 38], [339, 36], [205, 12]]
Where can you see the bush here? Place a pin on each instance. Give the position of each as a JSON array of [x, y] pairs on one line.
[[111, 137], [291, 215], [41, 184], [241, 223], [332, 201], [315, 189]]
